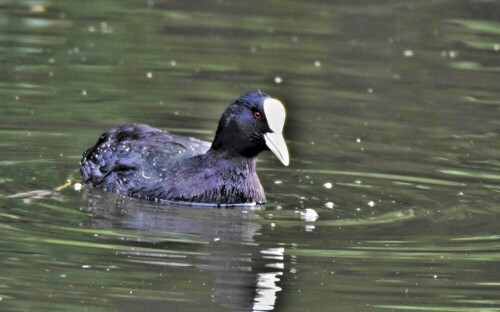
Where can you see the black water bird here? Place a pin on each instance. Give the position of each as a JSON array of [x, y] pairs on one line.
[[144, 162]]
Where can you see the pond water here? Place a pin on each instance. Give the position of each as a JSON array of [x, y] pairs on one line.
[[393, 129]]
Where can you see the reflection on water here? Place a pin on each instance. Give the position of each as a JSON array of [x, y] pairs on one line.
[[243, 274], [391, 199]]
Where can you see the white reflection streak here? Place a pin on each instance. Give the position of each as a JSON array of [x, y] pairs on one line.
[[266, 282]]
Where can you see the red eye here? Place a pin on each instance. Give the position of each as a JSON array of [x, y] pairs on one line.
[[257, 115]]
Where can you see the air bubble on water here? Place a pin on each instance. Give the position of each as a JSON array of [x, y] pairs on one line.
[[451, 54], [78, 186], [317, 63], [329, 205], [371, 203], [408, 53], [328, 185], [309, 228], [496, 47], [149, 75], [278, 79], [278, 182], [84, 92], [309, 215]]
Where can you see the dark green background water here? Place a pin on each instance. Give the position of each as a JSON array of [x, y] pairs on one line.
[[393, 128]]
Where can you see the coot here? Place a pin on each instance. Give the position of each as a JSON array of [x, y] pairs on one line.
[[144, 162]]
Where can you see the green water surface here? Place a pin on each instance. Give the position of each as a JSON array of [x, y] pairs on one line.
[[393, 129]]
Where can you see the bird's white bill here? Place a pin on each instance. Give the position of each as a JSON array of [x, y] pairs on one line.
[[277, 145], [275, 116]]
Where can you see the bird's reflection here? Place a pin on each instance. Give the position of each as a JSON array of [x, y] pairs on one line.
[[244, 274]]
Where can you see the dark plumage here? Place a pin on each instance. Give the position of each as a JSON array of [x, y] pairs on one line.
[[144, 162]]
